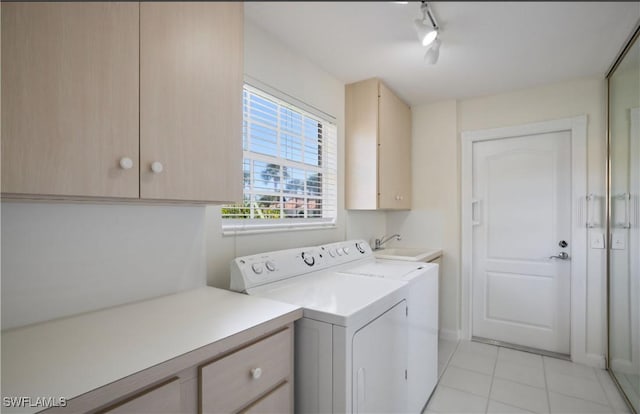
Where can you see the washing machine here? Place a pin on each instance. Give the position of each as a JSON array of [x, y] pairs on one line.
[[351, 344], [422, 301], [355, 347]]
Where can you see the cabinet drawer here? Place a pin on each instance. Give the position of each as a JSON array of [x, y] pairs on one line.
[[277, 401], [165, 398], [232, 382]]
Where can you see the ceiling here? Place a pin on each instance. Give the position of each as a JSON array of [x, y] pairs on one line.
[[487, 47]]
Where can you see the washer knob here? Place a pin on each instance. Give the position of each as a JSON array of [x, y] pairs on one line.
[[308, 259], [270, 266], [257, 268], [339, 251], [346, 250], [360, 248], [332, 253]]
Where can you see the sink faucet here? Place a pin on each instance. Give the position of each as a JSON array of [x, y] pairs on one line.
[[382, 240]]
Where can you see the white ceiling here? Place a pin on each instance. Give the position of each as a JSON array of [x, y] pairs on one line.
[[487, 47]]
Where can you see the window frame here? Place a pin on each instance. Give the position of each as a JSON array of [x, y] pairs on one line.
[[329, 196]]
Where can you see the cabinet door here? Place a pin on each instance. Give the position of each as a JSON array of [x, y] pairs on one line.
[[69, 98], [361, 147], [191, 65], [394, 158]]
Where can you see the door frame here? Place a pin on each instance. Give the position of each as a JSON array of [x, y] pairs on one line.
[[577, 126]]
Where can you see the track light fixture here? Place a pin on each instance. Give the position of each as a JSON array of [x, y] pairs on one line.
[[427, 26], [428, 30]]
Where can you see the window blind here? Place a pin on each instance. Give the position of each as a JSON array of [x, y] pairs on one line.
[[289, 165]]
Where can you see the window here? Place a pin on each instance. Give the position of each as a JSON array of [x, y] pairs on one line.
[[289, 164]]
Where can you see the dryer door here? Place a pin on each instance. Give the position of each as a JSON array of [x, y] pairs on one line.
[[380, 363]]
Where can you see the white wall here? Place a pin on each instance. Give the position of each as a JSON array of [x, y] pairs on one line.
[[271, 63], [61, 259], [435, 220]]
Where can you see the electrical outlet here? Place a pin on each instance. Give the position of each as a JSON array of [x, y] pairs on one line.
[[597, 240]]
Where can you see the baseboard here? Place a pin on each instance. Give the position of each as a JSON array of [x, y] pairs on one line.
[[449, 334], [623, 365], [592, 360]]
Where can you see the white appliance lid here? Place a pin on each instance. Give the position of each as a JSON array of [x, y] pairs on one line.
[[340, 299], [387, 268]]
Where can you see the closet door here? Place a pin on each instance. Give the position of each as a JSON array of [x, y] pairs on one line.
[[191, 100], [70, 98]]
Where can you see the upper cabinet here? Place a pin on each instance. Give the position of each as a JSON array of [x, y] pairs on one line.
[[122, 100], [378, 148], [191, 75], [69, 98]]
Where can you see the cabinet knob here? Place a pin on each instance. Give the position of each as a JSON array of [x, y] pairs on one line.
[[256, 373], [126, 163], [157, 167]]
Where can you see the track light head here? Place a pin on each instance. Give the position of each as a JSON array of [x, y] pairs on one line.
[[431, 57], [426, 32]]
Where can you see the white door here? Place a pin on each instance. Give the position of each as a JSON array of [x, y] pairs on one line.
[[521, 217]]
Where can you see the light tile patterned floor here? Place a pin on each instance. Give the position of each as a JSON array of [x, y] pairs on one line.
[[480, 378]]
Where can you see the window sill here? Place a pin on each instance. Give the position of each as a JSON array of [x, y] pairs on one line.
[[242, 229]]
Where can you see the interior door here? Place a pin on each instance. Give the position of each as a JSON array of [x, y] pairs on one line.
[[522, 217]]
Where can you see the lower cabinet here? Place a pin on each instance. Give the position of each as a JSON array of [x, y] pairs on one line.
[[277, 401], [165, 398], [248, 376], [255, 376]]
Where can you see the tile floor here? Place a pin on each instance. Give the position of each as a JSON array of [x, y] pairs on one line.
[[480, 378]]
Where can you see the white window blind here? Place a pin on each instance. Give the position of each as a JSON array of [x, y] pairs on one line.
[[290, 167]]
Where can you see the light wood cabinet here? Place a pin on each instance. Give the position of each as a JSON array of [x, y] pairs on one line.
[[69, 98], [211, 379], [85, 85], [191, 66], [378, 148], [242, 378], [165, 398]]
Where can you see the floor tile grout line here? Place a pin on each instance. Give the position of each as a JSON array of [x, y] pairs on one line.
[[493, 376], [546, 386], [606, 394]]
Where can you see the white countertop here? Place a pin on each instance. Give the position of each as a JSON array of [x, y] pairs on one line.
[[71, 356]]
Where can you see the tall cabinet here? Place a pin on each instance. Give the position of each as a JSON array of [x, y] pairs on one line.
[[122, 100], [378, 148]]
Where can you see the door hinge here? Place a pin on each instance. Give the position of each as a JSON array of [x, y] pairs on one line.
[[406, 376], [406, 311]]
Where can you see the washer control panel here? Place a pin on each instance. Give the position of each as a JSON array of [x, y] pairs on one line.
[[264, 268]]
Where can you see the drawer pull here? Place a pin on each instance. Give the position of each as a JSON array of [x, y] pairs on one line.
[[256, 373]]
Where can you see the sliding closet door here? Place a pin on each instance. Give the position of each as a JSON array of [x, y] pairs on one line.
[[624, 219]]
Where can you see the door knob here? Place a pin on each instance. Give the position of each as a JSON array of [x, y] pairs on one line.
[[561, 256]]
